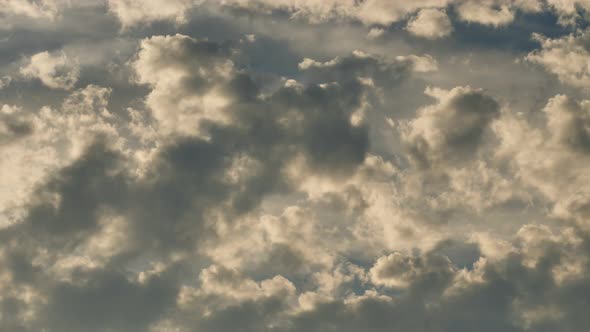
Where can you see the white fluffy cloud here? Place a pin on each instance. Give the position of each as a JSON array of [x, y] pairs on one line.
[[568, 9], [187, 77], [431, 24], [38, 143], [486, 12], [552, 159], [567, 57], [453, 129], [55, 70]]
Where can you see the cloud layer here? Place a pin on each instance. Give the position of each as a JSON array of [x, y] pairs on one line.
[[294, 166]]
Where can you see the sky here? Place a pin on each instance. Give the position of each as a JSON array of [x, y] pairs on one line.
[[294, 165]]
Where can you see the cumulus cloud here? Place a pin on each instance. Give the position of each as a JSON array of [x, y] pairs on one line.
[[566, 57], [37, 144], [569, 122], [381, 12], [214, 161], [398, 270], [232, 153], [444, 294], [307, 179], [496, 13], [568, 10], [552, 160], [375, 33], [55, 70], [486, 12], [431, 24], [187, 76], [453, 129]]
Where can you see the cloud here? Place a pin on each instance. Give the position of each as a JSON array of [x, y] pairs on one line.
[[496, 13], [566, 57], [193, 177], [451, 130], [552, 160], [134, 12], [568, 9], [187, 77], [12, 124], [90, 148], [493, 13], [37, 144], [195, 85], [54, 70], [369, 12], [398, 270], [127, 305], [30, 8], [445, 295], [360, 65], [431, 24], [5, 81], [486, 13], [375, 33], [569, 122], [381, 12], [279, 142]]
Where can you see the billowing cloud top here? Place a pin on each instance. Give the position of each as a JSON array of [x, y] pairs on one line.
[[294, 165]]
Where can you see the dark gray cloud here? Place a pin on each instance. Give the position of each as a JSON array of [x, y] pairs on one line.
[[123, 305], [12, 125]]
